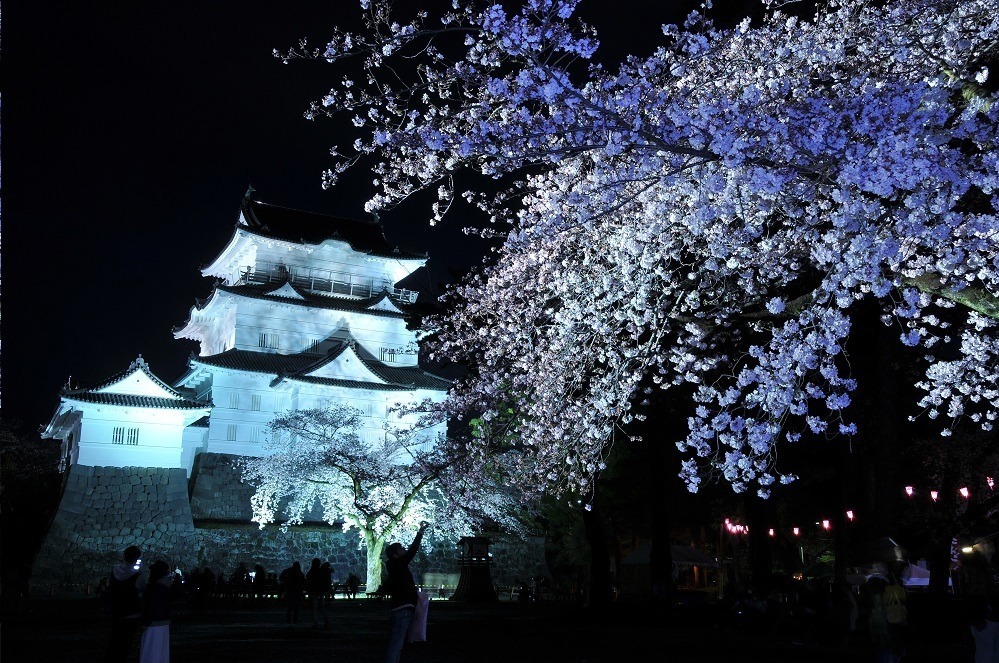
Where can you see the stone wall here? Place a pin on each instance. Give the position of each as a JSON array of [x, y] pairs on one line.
[[106, 509], [223, 547], [218, 493]]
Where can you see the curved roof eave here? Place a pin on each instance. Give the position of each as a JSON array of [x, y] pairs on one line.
[[310, 300], [133, 401], [231, 249], [200, 305]]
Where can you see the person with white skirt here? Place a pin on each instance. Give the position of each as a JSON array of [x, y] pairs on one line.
[[156, 636]]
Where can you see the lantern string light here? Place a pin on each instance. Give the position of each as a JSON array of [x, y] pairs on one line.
[[963, 491], [824, 523]]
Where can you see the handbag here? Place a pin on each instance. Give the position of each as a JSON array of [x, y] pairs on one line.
[[418, 628], [894, 608]]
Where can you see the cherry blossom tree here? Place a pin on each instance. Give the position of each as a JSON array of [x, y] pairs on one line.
[[708, 216], [315, 459]]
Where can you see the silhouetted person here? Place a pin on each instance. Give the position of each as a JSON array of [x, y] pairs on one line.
[[259, 582], [896, 611], [885, 649], [402, 593], [981, 600], [125, 587], [293, 581], [327, 579], [239, 585], [156, 637], [316, 586], [353, 584], [206, 587]]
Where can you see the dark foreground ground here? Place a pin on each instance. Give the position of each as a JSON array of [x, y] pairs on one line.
[[73, 629]]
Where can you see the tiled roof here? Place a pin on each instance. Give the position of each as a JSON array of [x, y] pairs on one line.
[[414, 376], [314, 300], [295, 367], [350, 384], [121, 375], [308, 227], [259, 362], [130, 400], [403, 377]]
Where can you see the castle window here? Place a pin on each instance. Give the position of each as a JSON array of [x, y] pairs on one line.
[[122, 435], [234, 401], [255, 434], [269, 341], [230, 433], [387, 354], [255, 402], [314, 347]]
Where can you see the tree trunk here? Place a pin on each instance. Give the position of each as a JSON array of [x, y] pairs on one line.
[[600, 579], [374, 544], [761, 562], [661, 556]]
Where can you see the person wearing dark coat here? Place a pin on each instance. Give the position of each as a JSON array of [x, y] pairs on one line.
[[318, 581], [293, 581], [402, 593], [125, 588]]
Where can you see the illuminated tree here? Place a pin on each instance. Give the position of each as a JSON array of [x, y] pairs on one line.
[[710, 215], [316, 459]]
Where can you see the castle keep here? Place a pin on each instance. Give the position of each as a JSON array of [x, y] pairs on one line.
[[306, 312]]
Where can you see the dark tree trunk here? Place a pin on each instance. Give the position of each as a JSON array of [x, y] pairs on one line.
[[664, 468], [601, 592], [760, 554], [875, 450], [661, 557], [843, 534]]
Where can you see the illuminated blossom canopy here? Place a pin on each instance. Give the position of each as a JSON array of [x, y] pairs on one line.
[[316, 459], [709, 215]]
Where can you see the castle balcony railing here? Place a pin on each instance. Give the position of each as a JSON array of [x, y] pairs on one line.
[[323, 281]]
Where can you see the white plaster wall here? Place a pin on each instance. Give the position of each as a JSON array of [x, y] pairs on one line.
[[194, 441], [291, 394], [159, 444], [298, 326], [334, 256]]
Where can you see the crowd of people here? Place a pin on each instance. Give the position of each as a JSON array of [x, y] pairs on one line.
[[873, 610], [258, 585], [139, 605]]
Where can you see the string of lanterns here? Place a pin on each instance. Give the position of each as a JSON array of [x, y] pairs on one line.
[[737, 528], [826, 524], [963, 491]]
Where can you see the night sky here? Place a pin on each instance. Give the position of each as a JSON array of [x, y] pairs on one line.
[[130, 132]]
